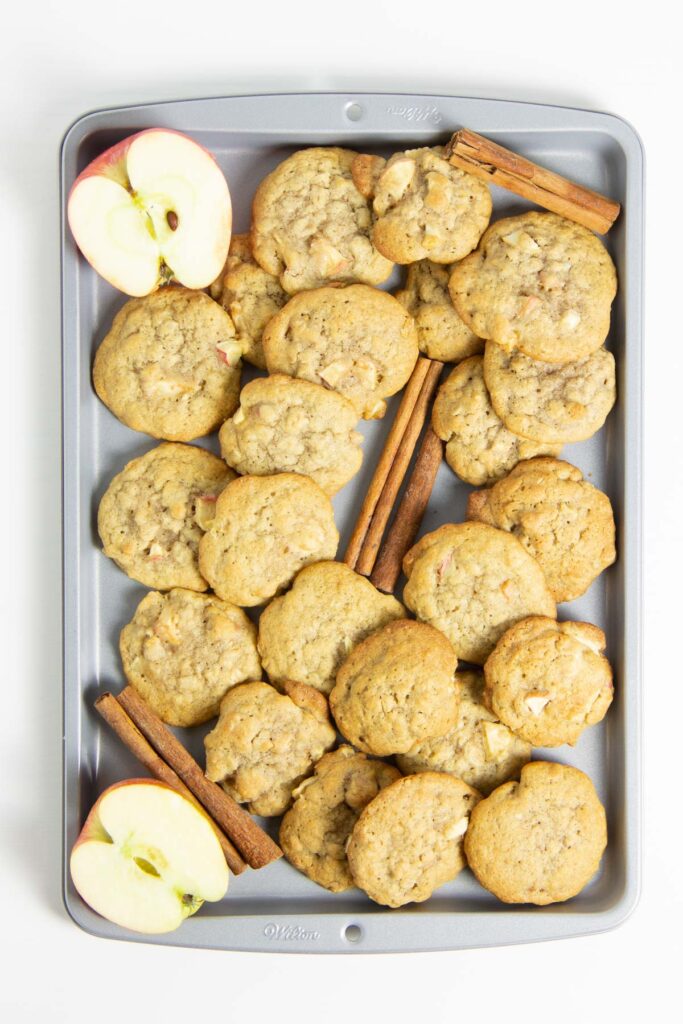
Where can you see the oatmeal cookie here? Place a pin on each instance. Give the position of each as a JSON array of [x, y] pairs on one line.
[[473, 582], [155, 511], [550, 403], [538, 283], [441, 332], [265, 743], [311, 225], [183, 651], [289, 425], [250, 295], [170, 365], [548, 680], [479, 447], [409, 840], [358, 341], [308, 632], [265, 529], [479, 749], [425, 208], [315, 830], [559, 518], [539, 840], [396, 688]]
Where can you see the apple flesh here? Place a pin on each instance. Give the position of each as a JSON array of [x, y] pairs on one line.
[[154, 208], [147, 858]]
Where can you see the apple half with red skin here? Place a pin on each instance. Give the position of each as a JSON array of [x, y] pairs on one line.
[[152, 209], [147, 858]]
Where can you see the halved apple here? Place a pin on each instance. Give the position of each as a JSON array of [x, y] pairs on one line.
[[154, 208], [147, 858]]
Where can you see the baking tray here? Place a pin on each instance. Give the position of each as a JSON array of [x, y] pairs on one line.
[[278, 908]]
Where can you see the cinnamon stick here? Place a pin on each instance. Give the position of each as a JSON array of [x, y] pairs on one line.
[[403, 414], [257, 848], [131, 737], [399, 468], [409, 514], [499, 166]]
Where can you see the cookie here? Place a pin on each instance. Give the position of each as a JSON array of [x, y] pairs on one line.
[[289, 425], [550, 403], [396, 688], [559, 518], [183, 651], [358, 341], [408, 840], [427, 209], [155, 511], [265, 743], [538, 283], [441, 332], [311, 225], [316, 828], [548, 680], [539, 840], [308, 632], [473, 582], [479, 749], [250, 295], [265, 529], [479, 447], [170, 365]]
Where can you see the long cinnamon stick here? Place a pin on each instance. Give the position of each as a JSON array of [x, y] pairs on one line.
[[399, 468], [257, 848], [131, 737], [409, 513], [499, 166], [403, 414]]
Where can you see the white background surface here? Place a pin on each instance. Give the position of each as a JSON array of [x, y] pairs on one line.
[[61, 59]]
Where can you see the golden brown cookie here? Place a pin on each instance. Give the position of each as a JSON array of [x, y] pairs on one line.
[[316, 828], [539, 840], [559, 518], [441, 332]]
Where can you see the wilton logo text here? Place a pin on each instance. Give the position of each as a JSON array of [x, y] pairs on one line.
[[290, 932], [416, 113]]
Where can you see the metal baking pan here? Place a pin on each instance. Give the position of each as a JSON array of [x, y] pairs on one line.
[[278, 908]]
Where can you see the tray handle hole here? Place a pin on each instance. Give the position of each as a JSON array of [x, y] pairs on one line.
[[353, 933], [353, 111]]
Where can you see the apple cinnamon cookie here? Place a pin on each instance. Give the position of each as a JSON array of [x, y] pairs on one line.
[[441, 332], [479, 749], [311, 225], [183, 651], [155, 511], [559, 518], [357, 340], [316, 828], [539, 840], [550, 403], [424, 207], [265, 529], [289, 425], [548, 680], [396, 688], [538, 283], [170, 365], [250, 295], [473, 582], [308, 632], [409, 840], [265, 743], [479, 447]]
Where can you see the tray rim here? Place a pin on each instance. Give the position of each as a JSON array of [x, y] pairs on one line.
[[322, 933]]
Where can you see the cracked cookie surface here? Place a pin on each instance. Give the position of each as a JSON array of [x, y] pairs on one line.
[[357, 340], [183, 651], [155, 511], [288, 425], [170, 366], [441, 332], [265, 743]]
